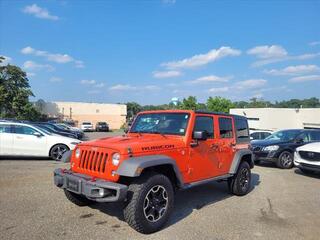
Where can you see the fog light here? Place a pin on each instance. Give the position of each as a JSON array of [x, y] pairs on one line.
[[101, 192]]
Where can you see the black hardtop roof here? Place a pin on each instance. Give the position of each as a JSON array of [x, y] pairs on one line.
[[219, 113]]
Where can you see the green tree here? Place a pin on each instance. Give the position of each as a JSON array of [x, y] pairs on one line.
[[189, 103], [14, 94], [132, 109], [219, 104]]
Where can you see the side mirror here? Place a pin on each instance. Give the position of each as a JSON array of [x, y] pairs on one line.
[[37, 134], [200, 135]]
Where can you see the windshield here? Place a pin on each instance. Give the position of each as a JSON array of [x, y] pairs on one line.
[[42, 129], [161, 123], [86, 123], [61, 125], [285, 135]]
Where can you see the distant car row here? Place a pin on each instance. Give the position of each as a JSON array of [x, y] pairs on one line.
[[39, 140], [286, 148], [100, 127]]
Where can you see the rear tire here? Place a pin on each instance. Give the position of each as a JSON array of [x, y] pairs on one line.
[[285, 160], [150, 203], [240, 184], [77, 199]]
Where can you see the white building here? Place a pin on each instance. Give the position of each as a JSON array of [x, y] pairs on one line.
[[113, 114], [280, 118]]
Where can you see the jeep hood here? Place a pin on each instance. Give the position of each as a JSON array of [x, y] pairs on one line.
[[138, 144]]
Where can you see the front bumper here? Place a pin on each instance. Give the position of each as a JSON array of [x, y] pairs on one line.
[[97, 190], [306, 164], [265, 156]]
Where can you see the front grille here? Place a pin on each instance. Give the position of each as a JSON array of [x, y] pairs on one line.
[[92, 160], [310, 156]]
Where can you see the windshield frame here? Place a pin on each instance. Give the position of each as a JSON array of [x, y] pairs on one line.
[[158, 132]]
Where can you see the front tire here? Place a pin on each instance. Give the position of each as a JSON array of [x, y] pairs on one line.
[[77, 199], [285, 160], [240, 184], [57, 151], [150, 203]]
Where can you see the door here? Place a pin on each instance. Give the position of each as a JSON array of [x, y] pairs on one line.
[[227, 143], [25, 142], [203, 156], [6, 140]]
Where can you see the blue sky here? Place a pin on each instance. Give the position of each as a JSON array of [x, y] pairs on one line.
[[151, 51]]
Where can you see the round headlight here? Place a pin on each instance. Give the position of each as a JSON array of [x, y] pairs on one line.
[[77, 152], [115, 159]]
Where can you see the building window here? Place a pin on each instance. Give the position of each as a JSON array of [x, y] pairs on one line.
[[97, 110], [254, 119]]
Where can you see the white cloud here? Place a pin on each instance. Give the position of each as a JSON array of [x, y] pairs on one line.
[[151, 88], [99, 85], [53, 57], [30, 74], [275, 53], [306, 78], [210, 79], [88, 82], [203, 59], [315, 43], [39, 12], [293, 70], [219, 90], [6, 60], [122, 87], [30, 65], [251, 84], [264, 52], [166, 74], [55, 79]]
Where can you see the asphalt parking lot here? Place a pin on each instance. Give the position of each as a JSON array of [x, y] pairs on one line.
[[283, 204]]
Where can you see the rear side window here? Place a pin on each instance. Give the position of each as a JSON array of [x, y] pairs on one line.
[[315, 136], [255, 135], [4, 128], [204, 124], [225, 127], [242, 129]]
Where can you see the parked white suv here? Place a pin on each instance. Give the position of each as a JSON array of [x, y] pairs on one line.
[[87, 126], [20, 139], [307, 157]]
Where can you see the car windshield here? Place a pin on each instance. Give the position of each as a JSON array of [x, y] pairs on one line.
[[284, 135], [86, 123], [161, 123], [61, 125], [102, 123], [42, 129]]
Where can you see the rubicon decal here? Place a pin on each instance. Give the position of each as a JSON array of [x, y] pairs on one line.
[[159, 147]]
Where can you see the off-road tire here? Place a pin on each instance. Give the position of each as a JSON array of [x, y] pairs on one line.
[[137, 192], [77, 199], [235, 182], [281, 162]]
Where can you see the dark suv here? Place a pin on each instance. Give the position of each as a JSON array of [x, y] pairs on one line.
[[280, 146], [102, 127]]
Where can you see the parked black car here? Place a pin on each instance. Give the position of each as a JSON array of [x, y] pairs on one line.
[[280, 146], [61, 131], [102, 127], [52, 130]]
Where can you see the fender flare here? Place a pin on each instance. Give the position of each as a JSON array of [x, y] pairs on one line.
[[134, 166], [237, 159]]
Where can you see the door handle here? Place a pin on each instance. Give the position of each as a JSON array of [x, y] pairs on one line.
[[232, 144]]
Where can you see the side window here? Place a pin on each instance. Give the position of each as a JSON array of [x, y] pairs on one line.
[[225, 126], [265, 135], [305, 137], [24, 130], [204, 124], [255, 135], [315, 136], [242, 129], [5, 128]]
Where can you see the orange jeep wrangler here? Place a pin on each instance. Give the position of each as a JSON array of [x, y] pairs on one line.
[[163, 151]]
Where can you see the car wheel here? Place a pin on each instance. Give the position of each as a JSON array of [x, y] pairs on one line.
[[285, 160], [77, 199], [150, 203], [57, 151], [240, 184]]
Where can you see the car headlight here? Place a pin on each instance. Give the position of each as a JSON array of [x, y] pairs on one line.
[[77, 153], [115, 159], [271, 148]]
